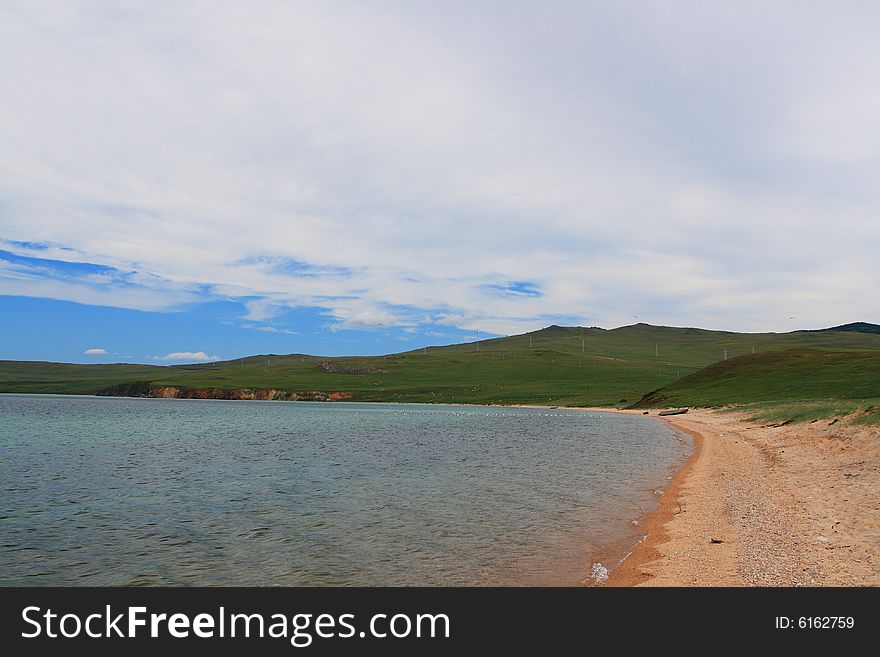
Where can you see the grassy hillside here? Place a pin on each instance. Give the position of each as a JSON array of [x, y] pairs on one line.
[[776, 376], [556, 365]]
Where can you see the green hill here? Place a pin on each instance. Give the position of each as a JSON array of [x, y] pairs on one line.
[[777, 376], [555, 366], [858, 327]]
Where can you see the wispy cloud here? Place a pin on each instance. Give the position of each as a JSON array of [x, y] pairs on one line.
[[365, 318], [95, 352], [275, 329], [516, 289], [189, 356], [578, 162], [72, 279]]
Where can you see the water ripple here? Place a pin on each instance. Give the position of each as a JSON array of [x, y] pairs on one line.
[[142, 492]]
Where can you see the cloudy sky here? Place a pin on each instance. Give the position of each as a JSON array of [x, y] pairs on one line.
[[197, 180]]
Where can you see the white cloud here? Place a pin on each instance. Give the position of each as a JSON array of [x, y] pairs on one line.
[[262, 309], [369, 318], [95, 352], [117, 289], [685, 164], [189, 356], [275, 329]]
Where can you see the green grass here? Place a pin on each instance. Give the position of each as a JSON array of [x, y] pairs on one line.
[[563, 366], [779, 376], [858, 412]]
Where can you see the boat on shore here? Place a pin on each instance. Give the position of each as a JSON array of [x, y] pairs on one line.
[[674, 411]]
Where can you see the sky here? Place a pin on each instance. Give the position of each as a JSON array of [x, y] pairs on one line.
[[188, 181]]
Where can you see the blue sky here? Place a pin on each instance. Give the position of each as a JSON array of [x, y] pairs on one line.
[[185, 181], [66, 331]]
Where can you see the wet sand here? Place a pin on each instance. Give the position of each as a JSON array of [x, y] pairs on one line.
[[765, 505]]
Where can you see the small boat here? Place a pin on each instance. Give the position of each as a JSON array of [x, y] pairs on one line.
[[674, 411]]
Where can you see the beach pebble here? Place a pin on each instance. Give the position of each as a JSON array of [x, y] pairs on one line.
[[716, 540], [822, 539], [599, 573]]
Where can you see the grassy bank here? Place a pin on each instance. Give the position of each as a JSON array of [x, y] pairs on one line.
[[864, 412], [797, 385]]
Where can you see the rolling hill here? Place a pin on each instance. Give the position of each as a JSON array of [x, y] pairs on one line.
[[554, 366]]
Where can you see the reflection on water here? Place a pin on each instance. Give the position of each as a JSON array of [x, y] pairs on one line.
[[107, 491]]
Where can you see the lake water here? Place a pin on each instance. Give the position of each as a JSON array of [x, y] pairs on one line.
[[116, 491]]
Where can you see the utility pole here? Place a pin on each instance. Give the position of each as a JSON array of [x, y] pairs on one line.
[[583, 346], [530, 342], [656, 350], [753, 350], [725, 353]]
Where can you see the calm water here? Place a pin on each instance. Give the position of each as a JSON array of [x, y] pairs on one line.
[[113, 491]]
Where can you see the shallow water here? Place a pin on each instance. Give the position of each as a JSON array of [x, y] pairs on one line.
[[116, 491]]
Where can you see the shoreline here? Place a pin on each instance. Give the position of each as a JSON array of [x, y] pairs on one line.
[[764, 504], [629, 571]]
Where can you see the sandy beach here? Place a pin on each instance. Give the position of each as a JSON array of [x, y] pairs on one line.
[[765, 505]]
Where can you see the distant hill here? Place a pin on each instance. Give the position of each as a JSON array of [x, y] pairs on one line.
[[554, 366], [857, 327]]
